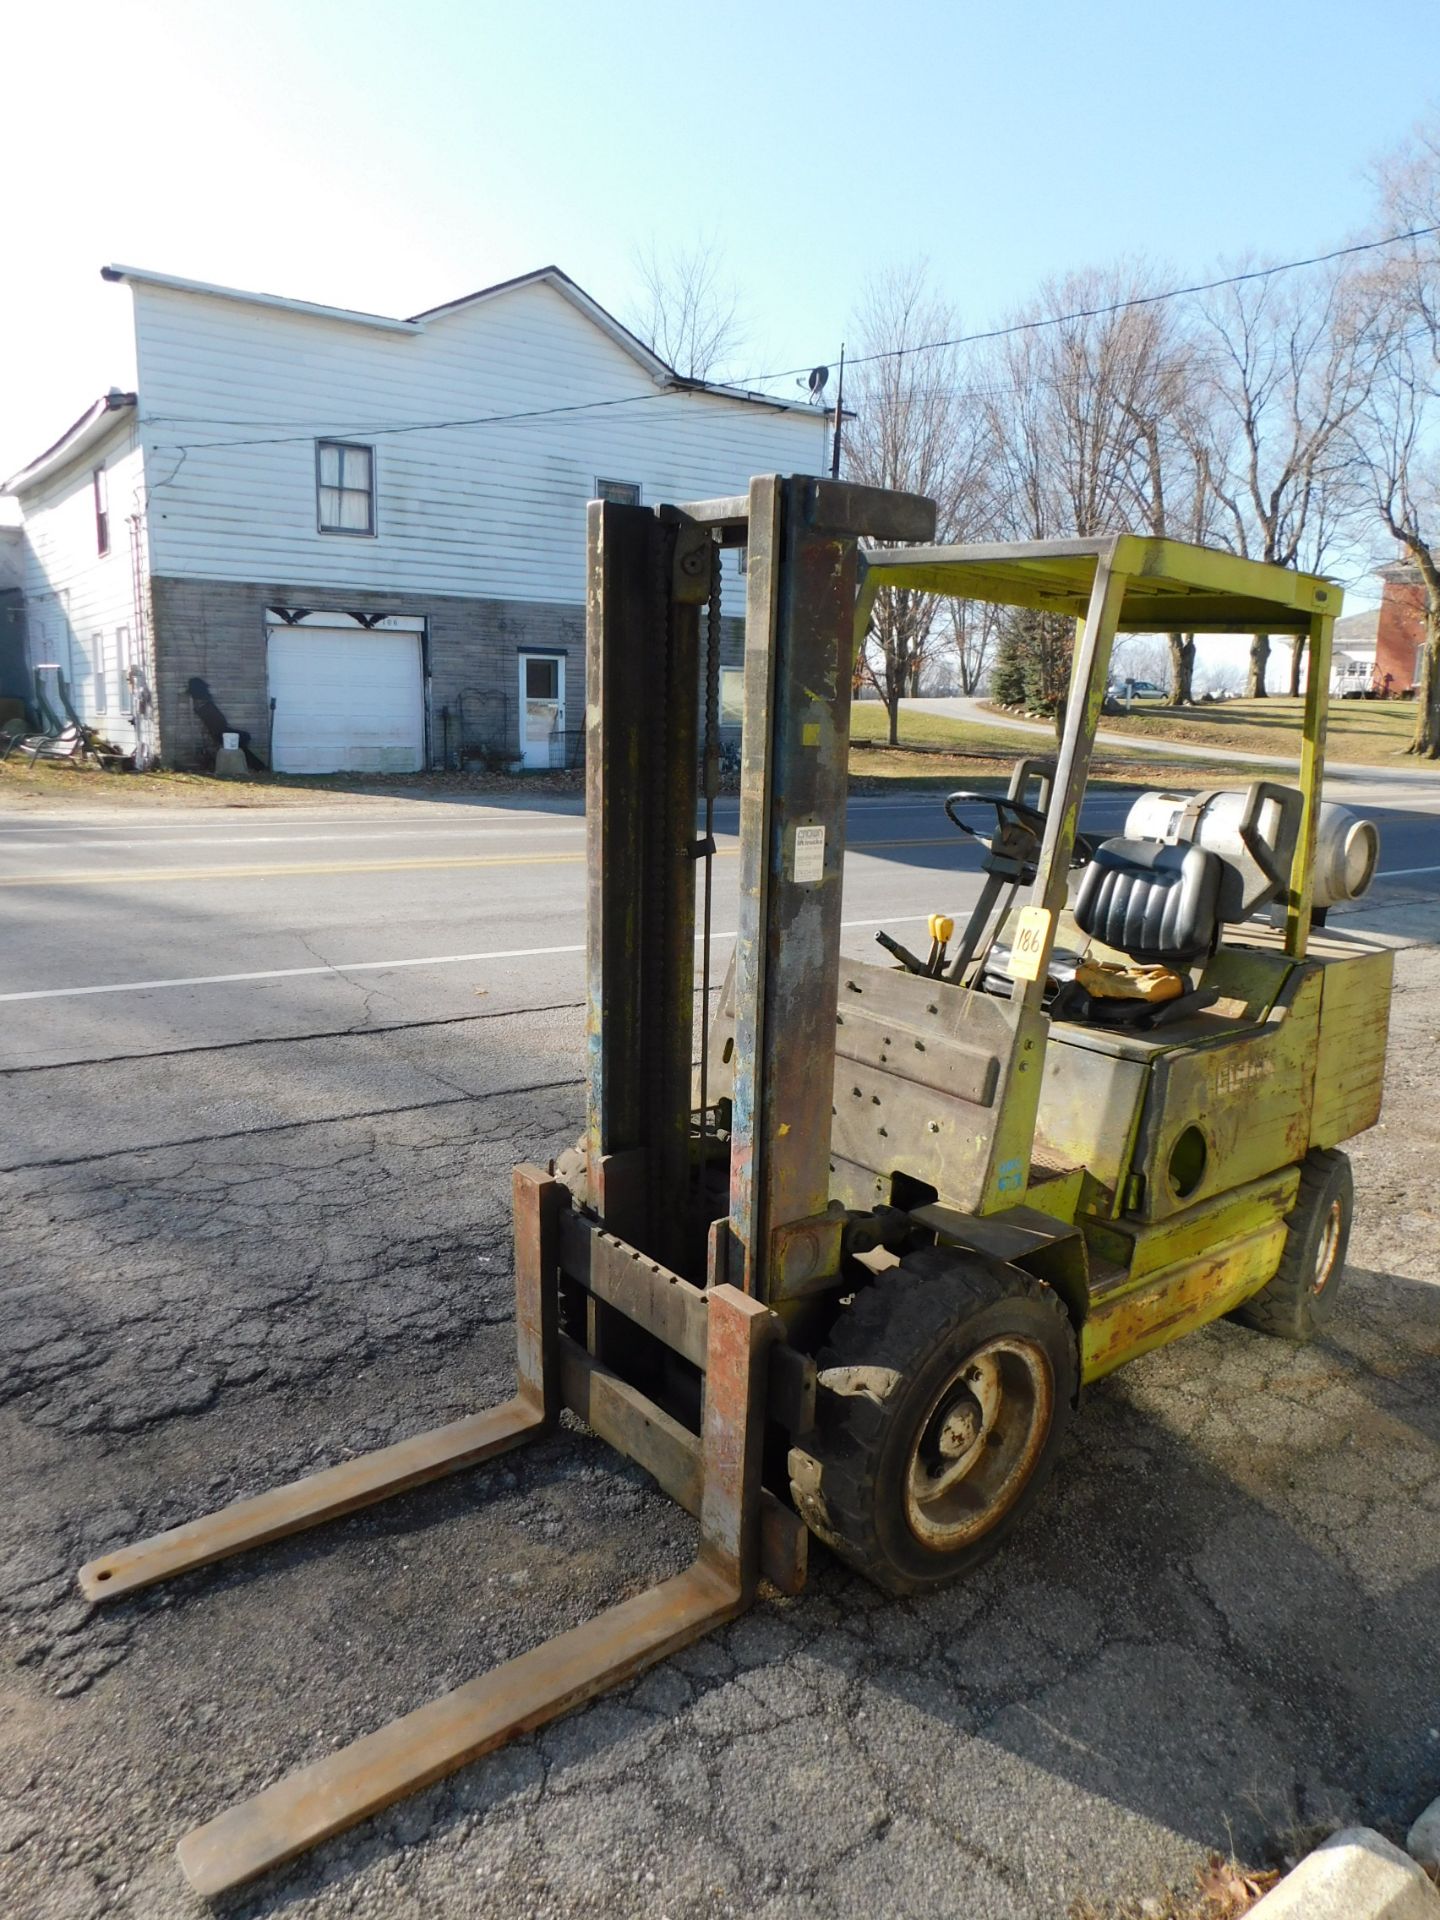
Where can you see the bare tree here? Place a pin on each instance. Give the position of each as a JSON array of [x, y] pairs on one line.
[[689, 312], [1141, 656], [974, 633], [913, 431], [1092, 426], [1288, 372]]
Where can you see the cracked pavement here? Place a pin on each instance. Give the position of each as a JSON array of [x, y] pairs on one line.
[[1218, 1627]]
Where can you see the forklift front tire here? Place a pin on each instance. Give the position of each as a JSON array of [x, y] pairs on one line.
[[944, 1393], [1296, 1304]]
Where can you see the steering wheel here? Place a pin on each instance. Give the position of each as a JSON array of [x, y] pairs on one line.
[[1017, 817], [1009, 815]]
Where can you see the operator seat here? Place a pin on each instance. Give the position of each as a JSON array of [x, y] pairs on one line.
[[1161, 905]]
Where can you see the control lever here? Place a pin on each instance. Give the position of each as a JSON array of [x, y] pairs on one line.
[[902, 954], [941, 929]]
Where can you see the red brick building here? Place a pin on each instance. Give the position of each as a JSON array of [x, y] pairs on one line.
[[1401, 633]]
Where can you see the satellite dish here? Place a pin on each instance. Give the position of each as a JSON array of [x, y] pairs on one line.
[[819, 376]]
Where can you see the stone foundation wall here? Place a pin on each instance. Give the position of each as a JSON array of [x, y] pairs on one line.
[[215, 630]]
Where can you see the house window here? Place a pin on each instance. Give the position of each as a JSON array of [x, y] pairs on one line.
[[102, 510], [101, 677], [124, 690], [346, 479], [732, 696], [620, 493], [80, 687]]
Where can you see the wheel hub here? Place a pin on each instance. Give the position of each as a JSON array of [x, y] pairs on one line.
[[1327, 1249], [978, 1443]]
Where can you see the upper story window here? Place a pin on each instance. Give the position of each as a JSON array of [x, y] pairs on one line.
[[102, 510], [620, 493], [345, 476]]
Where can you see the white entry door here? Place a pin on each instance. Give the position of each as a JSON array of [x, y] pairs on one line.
[[347, 700], [542, 709]]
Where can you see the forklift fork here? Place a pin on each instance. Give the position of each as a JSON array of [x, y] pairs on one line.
[[329, 1795]]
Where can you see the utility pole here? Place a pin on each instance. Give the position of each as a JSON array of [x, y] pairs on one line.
[[839, 416]]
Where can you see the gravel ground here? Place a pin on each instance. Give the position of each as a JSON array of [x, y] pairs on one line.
[[1219, 1628]]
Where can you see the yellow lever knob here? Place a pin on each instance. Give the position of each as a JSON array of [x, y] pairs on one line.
[[941, 927]]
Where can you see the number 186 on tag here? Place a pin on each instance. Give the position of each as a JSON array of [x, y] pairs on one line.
[[1032, 929]]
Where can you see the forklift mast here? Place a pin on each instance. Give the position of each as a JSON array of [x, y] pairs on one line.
[[653, 584]]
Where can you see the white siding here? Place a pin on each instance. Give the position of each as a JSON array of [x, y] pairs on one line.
[[12, 558], [72, 592], [496, 510]]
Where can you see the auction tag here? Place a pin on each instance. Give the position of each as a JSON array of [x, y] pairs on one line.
[[809, 861], [1027, 950]]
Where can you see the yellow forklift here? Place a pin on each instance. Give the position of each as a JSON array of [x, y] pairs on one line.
[[850, 1273]]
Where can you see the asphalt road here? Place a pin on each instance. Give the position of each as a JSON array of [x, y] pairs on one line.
[[135, 935], [254, 1224]]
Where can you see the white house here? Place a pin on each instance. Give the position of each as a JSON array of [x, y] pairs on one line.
[[1352, 662], [361, 539]]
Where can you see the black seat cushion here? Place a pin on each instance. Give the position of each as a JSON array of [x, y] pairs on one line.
[[1157, 904]]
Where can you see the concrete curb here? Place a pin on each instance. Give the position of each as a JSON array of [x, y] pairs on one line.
[[1357, 1875], [1422, 1842]]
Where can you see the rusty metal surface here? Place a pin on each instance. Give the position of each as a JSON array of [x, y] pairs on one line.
[[618, 572], [1129, 1321], [332, 1794], [671, 1454], [732, 1430], [805, 1255], [802, 583], [539, 1203], [671, 1308], [631, 1423], [311, 1501], [649, 573], [874, 513]]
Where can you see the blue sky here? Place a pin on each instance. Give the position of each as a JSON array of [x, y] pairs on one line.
[[392, 156]]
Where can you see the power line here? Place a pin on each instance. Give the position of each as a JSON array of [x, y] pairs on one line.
[[1117, 306]]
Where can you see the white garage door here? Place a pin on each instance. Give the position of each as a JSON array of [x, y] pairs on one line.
[[346, 700]]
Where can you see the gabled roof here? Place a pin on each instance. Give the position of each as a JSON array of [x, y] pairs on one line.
[[92, 426], [593, 311], [659, 370]]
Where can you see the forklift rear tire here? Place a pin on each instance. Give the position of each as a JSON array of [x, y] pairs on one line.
[[943, 1395], [1296, 1304]]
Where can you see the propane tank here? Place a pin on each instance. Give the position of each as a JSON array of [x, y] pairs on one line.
[[1347, 848], [1347, 852]]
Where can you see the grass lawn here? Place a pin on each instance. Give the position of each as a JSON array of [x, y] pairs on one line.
[[937, 752], [870, 722], [1367, 731]]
